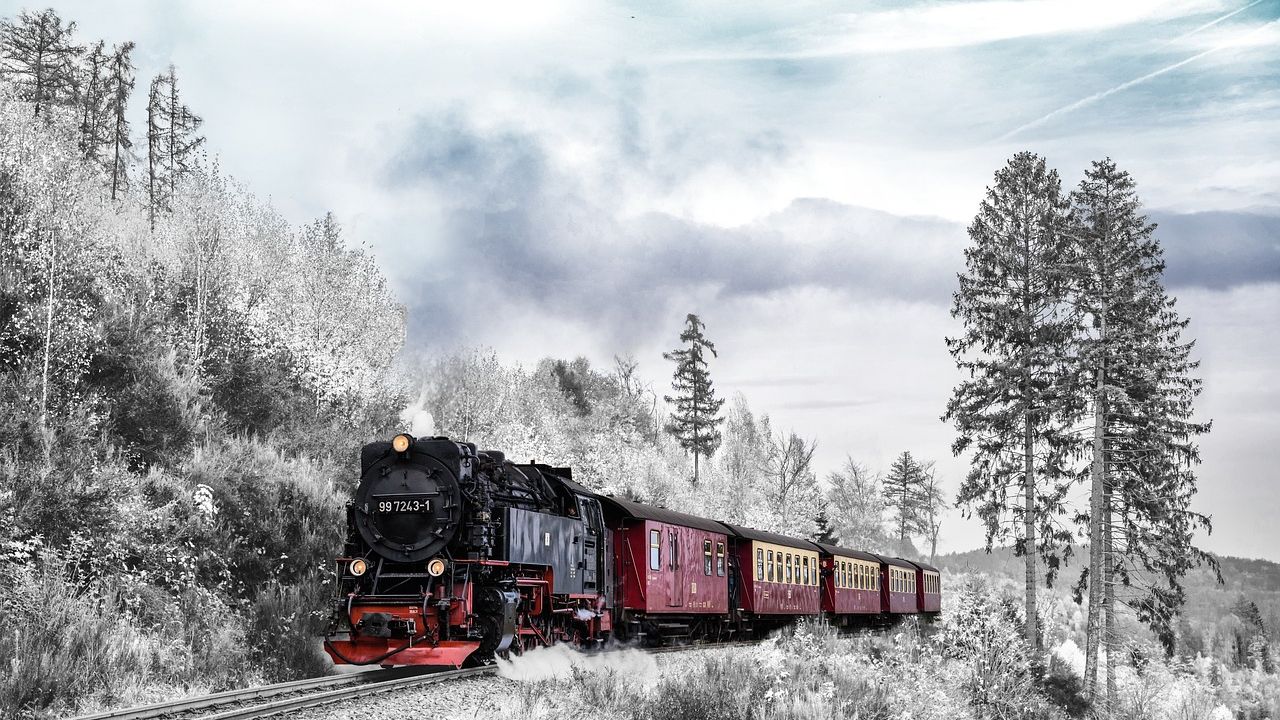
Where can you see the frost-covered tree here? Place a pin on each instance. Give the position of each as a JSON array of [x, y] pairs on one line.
[[856, 507], [1013, 408], [1143, 445], [696, 420], [794, 496], [38, 55], [172, 141], [742, 463]]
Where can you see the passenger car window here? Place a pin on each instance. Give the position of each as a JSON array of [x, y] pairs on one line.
[[760, 563], [771, 563], [655, 550], [706, 557], [788, 566], [720, 559]]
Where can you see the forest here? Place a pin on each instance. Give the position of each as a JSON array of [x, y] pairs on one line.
[[187, 376]]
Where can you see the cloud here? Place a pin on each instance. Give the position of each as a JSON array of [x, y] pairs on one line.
[[520, 234], [1219, 250]]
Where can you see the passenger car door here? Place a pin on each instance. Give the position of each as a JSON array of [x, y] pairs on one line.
[[675, 569]]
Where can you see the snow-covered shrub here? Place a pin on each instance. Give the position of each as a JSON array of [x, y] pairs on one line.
[[982, 631]]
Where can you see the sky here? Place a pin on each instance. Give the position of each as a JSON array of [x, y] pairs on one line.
[[567, 178]]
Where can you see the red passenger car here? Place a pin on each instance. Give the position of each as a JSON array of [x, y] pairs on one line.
[[668, 563], [929, 588], [850, 581], [780, 575], [898, 579]]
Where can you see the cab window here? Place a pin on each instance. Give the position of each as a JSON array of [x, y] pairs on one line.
[[707, 560], [655, 550], [720, 559]]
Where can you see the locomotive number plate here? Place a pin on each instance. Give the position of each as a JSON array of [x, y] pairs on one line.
[[401, 504]]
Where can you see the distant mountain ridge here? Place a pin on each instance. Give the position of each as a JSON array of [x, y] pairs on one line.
[[1256, 579]]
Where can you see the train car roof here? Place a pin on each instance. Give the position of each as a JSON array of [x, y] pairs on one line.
[[900, 562], [775, 538], [649, 512], [846, 552], [922, 566]]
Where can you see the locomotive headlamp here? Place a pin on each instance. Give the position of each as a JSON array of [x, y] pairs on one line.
[[435, 568], [358, 567], [401, 442]]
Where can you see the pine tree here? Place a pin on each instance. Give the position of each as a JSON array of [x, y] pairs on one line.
[[171, 141], [904, 495], [95, 127], [1015, 406], [119, 88], [695, 423], [1142, 391], [38, 55]]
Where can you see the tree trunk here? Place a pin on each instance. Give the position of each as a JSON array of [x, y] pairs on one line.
[[695, 468], [48, 332], [1108, 601], [115, 162], [1029, 533], [1096, 499]]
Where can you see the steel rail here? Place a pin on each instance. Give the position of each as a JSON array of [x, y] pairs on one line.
[[332, 696], [203, 702], [333, 688]]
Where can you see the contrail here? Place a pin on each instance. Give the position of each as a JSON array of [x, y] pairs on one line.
[[1211, 23], [1136, 81]]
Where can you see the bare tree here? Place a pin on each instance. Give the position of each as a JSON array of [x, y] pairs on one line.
[[795, 496], [935, 502], [856, 507]]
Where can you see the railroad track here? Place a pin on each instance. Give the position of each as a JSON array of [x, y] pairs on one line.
[[314, 692], [287, 695]]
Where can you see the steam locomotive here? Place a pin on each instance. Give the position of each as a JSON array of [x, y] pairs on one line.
[[456, 555]]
